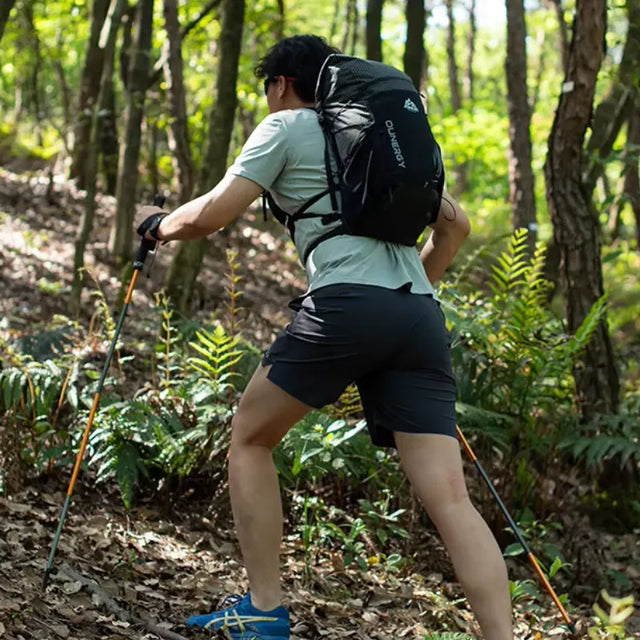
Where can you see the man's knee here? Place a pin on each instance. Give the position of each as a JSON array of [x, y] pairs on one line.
[[247, 431]]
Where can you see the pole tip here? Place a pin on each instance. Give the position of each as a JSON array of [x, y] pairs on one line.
[[45, 579], [572, 628]]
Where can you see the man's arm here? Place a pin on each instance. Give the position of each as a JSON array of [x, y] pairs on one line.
[[214, 210], [450, 231]]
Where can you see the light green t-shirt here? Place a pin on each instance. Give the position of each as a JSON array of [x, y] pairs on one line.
[[285, 155]]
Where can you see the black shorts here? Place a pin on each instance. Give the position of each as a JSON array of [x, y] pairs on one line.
[[393, 344]]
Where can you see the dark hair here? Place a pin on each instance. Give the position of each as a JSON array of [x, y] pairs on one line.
[[299, 57]]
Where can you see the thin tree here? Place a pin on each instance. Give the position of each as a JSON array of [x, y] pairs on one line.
[[5, 10], [414, 59], [460, 169], [471, 51], [617, 105], [107, 115], [373, 30], [631, 182], [452, 62], [120, 241], [178, 133], [575, 221], [188, 259], [521, 180], [88, 94], [562, 32], [107, 42]]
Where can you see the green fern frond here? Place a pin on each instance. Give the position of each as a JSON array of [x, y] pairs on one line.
[[220, 354], [166, 347]]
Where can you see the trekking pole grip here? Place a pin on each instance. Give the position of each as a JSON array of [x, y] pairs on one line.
[[147, 245]]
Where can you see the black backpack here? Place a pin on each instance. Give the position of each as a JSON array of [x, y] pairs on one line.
[[387, 165]]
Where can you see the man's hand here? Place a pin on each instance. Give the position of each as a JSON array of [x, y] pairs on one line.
[[148, 220]]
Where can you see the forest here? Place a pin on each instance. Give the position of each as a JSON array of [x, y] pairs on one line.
[[107, 104]]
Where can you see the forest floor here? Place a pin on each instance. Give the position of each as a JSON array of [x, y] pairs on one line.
[[118, 572]]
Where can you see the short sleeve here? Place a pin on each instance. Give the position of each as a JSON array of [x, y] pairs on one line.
[[264, 154]]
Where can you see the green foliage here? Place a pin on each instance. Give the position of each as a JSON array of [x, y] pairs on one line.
[[320, 447], [166, 348], [219, 353], [122, 444], [327, 527], [512, 359], [611, 626], [606, 437]]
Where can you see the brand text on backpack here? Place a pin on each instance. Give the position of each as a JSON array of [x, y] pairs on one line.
[[394, 143]]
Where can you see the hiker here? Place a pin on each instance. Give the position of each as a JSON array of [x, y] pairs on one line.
[[370, 315]]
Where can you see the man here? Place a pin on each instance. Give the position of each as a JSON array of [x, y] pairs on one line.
[[370, 315]]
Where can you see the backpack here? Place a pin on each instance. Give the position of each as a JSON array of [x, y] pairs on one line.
[[380, 154]]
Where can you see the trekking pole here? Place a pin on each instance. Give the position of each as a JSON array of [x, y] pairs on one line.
[[138, 265], [516, 530]]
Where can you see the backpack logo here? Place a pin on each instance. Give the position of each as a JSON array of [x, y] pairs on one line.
[[395, 145], [410, 105]]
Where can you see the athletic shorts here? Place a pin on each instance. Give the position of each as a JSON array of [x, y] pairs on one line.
[[393, 344]]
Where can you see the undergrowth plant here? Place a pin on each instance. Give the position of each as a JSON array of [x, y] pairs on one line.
[[512, 357], [611, 625]]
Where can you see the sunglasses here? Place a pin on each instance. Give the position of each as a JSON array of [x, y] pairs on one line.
[[269, 79]]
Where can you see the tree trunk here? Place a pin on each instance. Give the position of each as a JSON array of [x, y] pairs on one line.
[[158, 67], [562, 28], [414, 51], [88, 96], [188, 259], [107, 43], [122, 230], [107, 117], [471, 46], [33, 76], [614, 109], [459, 171], [348, 24], [374, 27], [178, 132], [65, 91], [335, 21], [128, 17], [355, 29], [522, 194], [631, 189], [575, 221], [5, 10], [454, 85], [280, 25], [540, 40]]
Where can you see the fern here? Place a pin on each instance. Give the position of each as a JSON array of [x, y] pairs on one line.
[[219, 353], [511, 355], [233, 292], [166, 347], [123, 446], [615, 437]]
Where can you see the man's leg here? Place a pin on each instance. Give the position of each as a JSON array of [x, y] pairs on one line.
[[433, 465], [264, 416]]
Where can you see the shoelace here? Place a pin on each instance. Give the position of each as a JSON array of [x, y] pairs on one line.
[[232, 619]]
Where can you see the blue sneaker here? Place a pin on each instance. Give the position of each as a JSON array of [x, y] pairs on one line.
[[240, 620]]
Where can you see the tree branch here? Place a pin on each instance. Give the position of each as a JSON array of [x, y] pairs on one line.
[[156, 74]]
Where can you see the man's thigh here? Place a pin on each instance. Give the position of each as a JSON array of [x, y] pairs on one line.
[[266, 412]]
